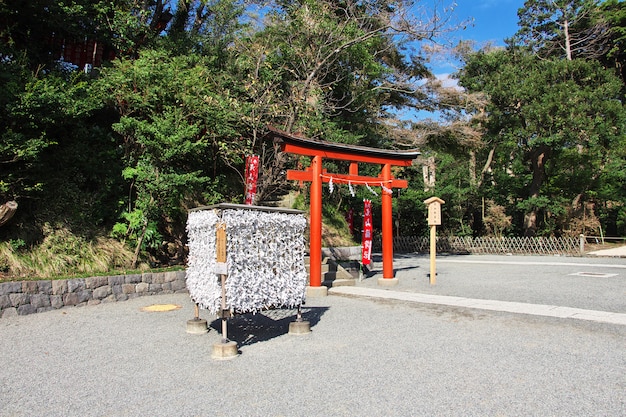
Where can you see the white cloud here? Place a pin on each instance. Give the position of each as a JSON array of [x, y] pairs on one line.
[[447, 81], [488, 4]]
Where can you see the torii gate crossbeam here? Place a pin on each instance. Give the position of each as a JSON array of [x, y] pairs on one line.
[[319, 149]]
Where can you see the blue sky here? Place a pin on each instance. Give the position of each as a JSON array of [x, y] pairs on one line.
[[494, 20], [491, 21]]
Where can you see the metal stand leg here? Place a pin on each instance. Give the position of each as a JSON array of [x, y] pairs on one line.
[[300, 326], [224, 314], [197, 325]]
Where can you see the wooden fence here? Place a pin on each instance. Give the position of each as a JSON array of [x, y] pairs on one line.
[[571, 246]]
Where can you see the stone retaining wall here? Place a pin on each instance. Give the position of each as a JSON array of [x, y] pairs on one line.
[[28, 297]]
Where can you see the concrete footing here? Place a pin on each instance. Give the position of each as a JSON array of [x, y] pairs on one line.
[[197, 326], [225, 350], [299, 327], [387, 282], [316, 291]]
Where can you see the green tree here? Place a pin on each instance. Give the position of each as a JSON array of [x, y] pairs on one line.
[[348, 57], [180, 133], [58, 157], [557, 124], [614, 12], [562, 28]]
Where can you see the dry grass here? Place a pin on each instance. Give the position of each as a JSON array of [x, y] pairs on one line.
[[63, 254], [332, 237]]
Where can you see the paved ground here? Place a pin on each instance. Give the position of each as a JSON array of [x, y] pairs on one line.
[[619, 251], [381, 356], [584, 288]]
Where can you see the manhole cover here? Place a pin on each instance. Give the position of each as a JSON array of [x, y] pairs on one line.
[[161, 307], [593, 274]]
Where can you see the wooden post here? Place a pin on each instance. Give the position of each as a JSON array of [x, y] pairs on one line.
[[433, 254], [434, 220]]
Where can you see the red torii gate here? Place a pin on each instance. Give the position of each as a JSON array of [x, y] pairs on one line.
[[319, 149]]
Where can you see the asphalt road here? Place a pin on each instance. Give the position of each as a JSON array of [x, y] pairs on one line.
[[588, 283]]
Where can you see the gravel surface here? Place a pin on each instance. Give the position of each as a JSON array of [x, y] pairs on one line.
[[362, 358]]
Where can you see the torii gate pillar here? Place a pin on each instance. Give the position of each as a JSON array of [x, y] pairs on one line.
[[387, 233], [315, 228]]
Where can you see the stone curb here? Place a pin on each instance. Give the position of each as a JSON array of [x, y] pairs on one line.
[[494, 305]]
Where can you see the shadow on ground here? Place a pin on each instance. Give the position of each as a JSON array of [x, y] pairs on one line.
[[247, 329], [368, 273]]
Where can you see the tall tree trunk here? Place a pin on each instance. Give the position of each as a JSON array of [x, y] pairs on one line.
[[142, 236], [139, 244], [180, 17], [472, 168], [539, 158], [568, 41], [429, 174], [486, 167]]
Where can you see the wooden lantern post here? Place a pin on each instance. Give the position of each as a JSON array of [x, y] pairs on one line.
[[434, 220]]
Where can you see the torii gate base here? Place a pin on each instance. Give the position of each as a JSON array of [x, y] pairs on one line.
[[387, 282], [318, 291], [319, 149]]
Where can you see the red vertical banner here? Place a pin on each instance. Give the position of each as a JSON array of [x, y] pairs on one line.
[[252, 175], [366, 241], [350, 220]]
